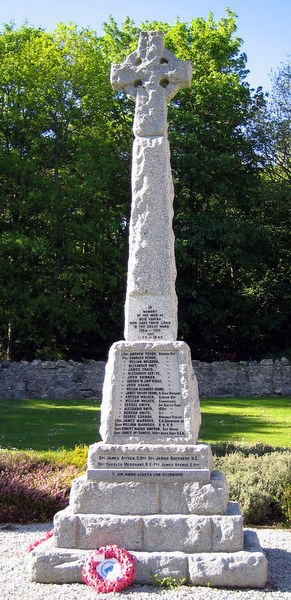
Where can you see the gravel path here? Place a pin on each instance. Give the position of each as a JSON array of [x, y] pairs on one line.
[[15, 585]]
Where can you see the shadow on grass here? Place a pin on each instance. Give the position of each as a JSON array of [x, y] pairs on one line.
[[48, 424], [221, 427], [246, 419]]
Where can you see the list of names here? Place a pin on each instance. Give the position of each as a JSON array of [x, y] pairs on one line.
[[150, 401]]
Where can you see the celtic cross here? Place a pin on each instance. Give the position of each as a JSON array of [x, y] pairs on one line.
[[151, 76]]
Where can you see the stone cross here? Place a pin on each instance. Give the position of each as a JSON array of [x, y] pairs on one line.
[[151, 76], [149, 484]]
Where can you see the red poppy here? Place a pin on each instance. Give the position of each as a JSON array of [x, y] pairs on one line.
[[96, 581]]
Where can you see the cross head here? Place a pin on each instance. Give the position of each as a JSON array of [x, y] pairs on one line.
[[151, 76]]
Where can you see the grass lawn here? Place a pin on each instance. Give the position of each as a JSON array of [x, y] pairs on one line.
[[48, 424], [249, 420], [52, 424]]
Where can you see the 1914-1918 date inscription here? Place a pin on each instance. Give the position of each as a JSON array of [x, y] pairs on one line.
[[150, 324]]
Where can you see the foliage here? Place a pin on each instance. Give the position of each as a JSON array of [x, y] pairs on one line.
[[273, 127], [34, 488], [269, 294], [258, 483], [63, 244], [167, 582], [226, 448], [31, 489], [285, 503], [65, 458], [65, 140], [77, 457]]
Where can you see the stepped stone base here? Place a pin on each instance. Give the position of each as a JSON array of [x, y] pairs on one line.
[[246, 568], [165, 533], [186, 529]]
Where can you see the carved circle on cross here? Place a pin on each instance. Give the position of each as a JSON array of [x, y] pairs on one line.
[[151, 76], [149, 66]]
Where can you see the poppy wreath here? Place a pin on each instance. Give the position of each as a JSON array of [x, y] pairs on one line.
[[47, 536], [94, 580]]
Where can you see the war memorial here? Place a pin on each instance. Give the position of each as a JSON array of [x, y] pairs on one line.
[[149, 485]]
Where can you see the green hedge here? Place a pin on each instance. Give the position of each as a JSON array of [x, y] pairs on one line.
[[225, 448]]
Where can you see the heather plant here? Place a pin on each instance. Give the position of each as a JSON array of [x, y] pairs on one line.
[[258, 484], [31, 489]]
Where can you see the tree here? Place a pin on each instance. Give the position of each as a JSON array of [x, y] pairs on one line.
[[219, 244], [65, 143], [272, 128], [61, 230], [218, 241], [269, 293]]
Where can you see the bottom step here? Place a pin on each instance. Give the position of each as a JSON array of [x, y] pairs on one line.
[[245, 569]]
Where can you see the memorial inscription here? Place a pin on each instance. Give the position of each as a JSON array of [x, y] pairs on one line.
[[172, 461], [158, 475], [150, 393], [150, 399], [150, 324]]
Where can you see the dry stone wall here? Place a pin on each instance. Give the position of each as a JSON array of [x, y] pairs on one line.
[[72, 379], [222, 379], [49, 379]]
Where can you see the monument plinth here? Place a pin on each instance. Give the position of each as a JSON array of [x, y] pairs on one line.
[[149, 485]]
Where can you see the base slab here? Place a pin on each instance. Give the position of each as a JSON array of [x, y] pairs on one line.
[[244, 569]]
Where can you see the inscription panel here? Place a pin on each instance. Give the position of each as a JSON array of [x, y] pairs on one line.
[[150, 324], [184, 475], [150, 400], [137, 461]]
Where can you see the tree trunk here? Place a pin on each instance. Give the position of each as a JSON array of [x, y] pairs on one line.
[[10, 351], [59, 243]]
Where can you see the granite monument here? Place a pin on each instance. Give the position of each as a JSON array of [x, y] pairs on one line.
[[149, 486]]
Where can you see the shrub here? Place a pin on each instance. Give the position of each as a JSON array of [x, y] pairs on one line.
[[31, 489], [285, 504], [77, 457], [225, 448], [257, 483], [63, 457]]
